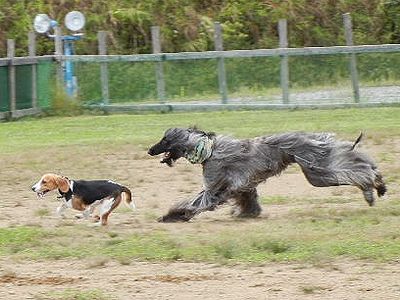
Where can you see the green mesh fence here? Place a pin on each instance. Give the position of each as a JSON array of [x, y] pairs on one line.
[[253, 79], [320, 79], [23, 86], [185, 80], [379, 75], [192, 80], [46, 74], [132, 82], [4, 95], [313, 79]]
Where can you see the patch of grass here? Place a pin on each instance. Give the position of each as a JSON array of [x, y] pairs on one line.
[[16, 137], [274, 247], [276, 200], [18, 239], [73, 294], [312, 289], [226, 249], [317, 235], [42, 212], [112, 234], [97, 262], [328, 234]]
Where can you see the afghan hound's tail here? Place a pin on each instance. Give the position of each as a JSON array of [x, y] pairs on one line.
[[128, 197], [357, 141]]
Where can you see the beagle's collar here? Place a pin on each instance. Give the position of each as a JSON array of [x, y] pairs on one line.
[[71, 185], [67, 195], [201, 152]]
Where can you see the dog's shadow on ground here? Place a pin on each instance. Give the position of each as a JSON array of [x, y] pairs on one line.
[[230, 220]]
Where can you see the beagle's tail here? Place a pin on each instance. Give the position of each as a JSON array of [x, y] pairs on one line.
[[128, 197]]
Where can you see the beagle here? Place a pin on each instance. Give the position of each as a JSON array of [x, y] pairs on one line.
[[84, 195]]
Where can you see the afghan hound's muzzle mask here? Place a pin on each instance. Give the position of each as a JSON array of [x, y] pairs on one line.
[[172, 145]]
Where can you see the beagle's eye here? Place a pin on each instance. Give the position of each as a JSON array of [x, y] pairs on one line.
[[44, 181]]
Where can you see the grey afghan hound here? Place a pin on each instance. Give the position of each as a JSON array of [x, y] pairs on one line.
[[233, 168]]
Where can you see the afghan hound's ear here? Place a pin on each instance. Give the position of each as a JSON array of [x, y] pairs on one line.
[[193, 128], [211, 135], [62, 183]]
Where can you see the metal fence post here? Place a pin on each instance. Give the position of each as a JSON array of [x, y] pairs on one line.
[[105, 92], [11, 75], [348, 28], [283, 43], [156, 43], [58, 44], [32, 52], [218, 41]]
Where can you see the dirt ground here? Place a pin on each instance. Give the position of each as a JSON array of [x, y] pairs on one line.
[[155, 188]]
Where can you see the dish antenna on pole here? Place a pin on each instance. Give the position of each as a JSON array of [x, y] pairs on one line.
[[74, 20], [42, 23]]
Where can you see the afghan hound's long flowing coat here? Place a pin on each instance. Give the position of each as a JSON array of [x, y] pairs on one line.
[[233, 168]]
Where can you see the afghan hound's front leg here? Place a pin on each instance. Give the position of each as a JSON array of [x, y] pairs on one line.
[[185, 210]]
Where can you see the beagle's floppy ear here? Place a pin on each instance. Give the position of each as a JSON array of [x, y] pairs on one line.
[[62, 183]]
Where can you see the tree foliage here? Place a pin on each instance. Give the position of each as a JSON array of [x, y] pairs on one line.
[[187, 25]]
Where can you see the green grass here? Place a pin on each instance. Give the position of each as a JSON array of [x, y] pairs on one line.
[[70, 294], [15, 240], [142, 130], [42, 212]]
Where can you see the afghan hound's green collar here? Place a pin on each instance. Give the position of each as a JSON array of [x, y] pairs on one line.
[[201, 152]]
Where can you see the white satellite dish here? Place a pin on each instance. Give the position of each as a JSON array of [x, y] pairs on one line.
[[74, 20], [42, 23]]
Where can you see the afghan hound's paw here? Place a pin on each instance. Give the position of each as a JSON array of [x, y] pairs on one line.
[[174, 217], [238, 213], [248, 215], [169, 219]]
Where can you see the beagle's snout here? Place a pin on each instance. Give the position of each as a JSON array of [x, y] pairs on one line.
[[36, 187]]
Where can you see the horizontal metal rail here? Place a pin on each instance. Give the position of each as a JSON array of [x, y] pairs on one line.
[[25, 60], [236, 53]]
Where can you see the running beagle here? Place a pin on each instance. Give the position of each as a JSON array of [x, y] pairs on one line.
[[84, 195]]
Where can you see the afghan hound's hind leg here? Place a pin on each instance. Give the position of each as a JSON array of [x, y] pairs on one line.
[[247, 205], [369, 196], [380, 187]]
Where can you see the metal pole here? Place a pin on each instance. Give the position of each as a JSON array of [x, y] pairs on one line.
[[283, 43], [58, 52], [156, 43], [348, 28], [218, 42], [69, 69]]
